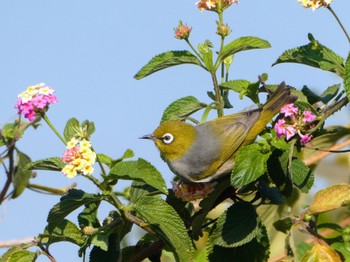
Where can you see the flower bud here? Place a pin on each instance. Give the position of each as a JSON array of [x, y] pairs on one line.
[[182, 31], [223, 30]]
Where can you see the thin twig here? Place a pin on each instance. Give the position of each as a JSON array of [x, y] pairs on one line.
[[322, 154]]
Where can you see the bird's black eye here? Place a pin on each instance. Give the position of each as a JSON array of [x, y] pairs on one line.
[[167, 138]]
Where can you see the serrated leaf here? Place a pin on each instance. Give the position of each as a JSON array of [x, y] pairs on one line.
[[71, 129], [21, 176], [277, 166], [250, 164], [65, 231], [182, 108], [342, 248], [166, 60], [283, 225], [6, 256], [330, 93], [128, 154], [316, 55], [244, 88], [22, 256], [302, 175], [51, 164], [111, 255], [108, 161], [257, 250], [347, 77], [164, 220], [330, 198], [88, 217], [70, 202], [321, 253], [100, 240], [206, 205], [208, 59], [243, 44], [139, 170], [140, 189], [236, 227], [89, 128], [238, 85]]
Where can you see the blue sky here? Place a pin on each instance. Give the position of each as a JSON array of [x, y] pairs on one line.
[[89, 52]]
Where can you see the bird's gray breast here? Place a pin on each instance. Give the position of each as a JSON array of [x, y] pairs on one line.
[[204, 151]]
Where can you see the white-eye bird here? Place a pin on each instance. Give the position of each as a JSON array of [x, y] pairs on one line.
[[207, 151]]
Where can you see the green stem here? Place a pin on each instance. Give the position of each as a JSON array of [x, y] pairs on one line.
[[222, 43], [339, 22], [193, 49], [218, 97], [47, 120], [55, 191]]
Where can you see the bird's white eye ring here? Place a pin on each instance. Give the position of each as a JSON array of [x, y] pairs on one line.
[[167, 138]]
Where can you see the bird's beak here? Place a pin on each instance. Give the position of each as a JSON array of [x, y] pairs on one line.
[[149, 136]]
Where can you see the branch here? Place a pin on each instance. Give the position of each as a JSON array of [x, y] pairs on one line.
[[16, 242], [322, 154]]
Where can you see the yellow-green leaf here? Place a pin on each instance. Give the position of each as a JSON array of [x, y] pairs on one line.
[[321, 253], [330, 198]]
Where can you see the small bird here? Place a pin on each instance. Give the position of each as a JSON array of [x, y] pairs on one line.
[[207, 151]]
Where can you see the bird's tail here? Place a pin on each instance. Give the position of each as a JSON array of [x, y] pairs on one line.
[[281, 97]]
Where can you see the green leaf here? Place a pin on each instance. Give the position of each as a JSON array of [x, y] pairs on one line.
[[65, 231], [164, 220], [244, 88], [166, 60], [70, 202], [347, 77], [343, 248], [13, 250], [88, 217], [88, 127], [139, 170], [283, 225], [302, 175], [206, 205], [100, 240], [257, 250], [250, 164], [236, 227], [128, 154], [330, 198], [71, 129], [277, 167], [22, 176], [182, 108], [12, 131], [22, 256], [111, 255], [140, 189], [330, 93], [243, 44], [51, 164], [208, 59], [316, 55]]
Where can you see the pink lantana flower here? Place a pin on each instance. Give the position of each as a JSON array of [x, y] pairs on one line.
[[308, 116], [294, 123], [289, 110], [35, 100]]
